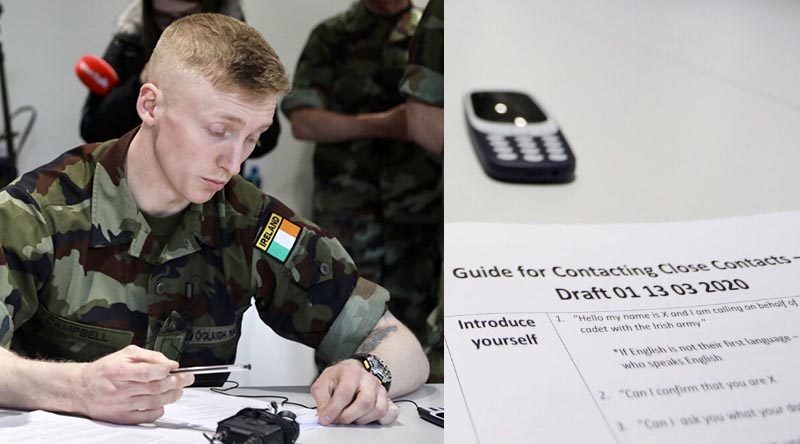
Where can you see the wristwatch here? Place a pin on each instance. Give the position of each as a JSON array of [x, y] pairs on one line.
[[376, 366]]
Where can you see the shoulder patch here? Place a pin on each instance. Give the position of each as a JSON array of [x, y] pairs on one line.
[[278, 237]]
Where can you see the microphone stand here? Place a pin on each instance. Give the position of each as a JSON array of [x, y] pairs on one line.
[[8, 165]]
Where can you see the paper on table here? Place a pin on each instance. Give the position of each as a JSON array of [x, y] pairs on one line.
[[202, 408], [42, 427], [183, 422], [640, 333]]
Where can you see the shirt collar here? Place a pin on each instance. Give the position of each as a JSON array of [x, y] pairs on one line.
[[116, 219]]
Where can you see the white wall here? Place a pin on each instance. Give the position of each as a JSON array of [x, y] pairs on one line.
[[287, 175], [42, 39]]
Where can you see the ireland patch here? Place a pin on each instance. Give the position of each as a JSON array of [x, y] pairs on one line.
[[278, 237]]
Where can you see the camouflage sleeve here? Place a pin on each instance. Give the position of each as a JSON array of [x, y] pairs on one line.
[[359, 316], [5, 316], [25, 259], [309, 289], [315, 74], [424, 75]]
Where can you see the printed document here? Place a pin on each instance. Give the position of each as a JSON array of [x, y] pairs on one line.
[[645, 333], [197, 412]]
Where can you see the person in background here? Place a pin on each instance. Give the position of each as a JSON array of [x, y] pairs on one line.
[[139, 27], [378, 191], [423, 81], [423, 86], [121, 261]]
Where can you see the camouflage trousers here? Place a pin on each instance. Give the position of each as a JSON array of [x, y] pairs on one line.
[[404, 258]]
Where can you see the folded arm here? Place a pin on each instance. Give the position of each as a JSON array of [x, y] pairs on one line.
[[320, 125], [426, 126]]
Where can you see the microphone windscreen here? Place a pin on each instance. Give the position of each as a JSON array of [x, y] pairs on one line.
[[96, 74]]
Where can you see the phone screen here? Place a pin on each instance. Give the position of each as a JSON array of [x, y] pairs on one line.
[[506, 107]]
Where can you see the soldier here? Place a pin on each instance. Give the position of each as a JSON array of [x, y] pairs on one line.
[[131, 257], [139, 26], [378, 192], [423, 85], [423, 81]]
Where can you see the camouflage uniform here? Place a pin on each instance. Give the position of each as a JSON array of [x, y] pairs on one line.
[[81, 274], [382, 198], [424, 81], [424, 76]]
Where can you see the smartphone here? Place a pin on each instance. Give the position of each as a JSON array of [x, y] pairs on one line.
[[434, 415], [516, 140]]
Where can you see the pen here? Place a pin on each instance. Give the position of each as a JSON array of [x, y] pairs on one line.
[[212, 369]]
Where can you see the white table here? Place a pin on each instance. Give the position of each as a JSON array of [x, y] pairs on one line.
[[409, 428]]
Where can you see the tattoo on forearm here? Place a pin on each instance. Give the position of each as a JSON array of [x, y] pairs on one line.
[[374, 339]]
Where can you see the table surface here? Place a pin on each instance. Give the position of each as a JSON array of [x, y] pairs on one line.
[[409, 428], [675, 110]]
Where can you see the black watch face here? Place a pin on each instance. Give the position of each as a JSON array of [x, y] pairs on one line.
[[506, 107]]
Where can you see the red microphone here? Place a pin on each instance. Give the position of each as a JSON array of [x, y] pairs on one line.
[[96, 74]]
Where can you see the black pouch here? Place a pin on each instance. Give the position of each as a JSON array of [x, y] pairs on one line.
[[261, 426]]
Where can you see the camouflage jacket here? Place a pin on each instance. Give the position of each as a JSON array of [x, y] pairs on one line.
[[424, 76], [81, 275], [352, 64]]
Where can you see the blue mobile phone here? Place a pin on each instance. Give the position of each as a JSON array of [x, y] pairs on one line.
[[516, 140]]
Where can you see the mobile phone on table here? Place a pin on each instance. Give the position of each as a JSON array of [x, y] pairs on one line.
[[515, 139], [434, 415]]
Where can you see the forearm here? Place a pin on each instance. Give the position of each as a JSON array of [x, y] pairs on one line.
[[395, 344], [32, 385], [129, 386], [426, 126], [325, 126]]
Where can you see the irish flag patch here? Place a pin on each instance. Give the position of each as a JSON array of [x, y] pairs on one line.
[[278, 237]]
